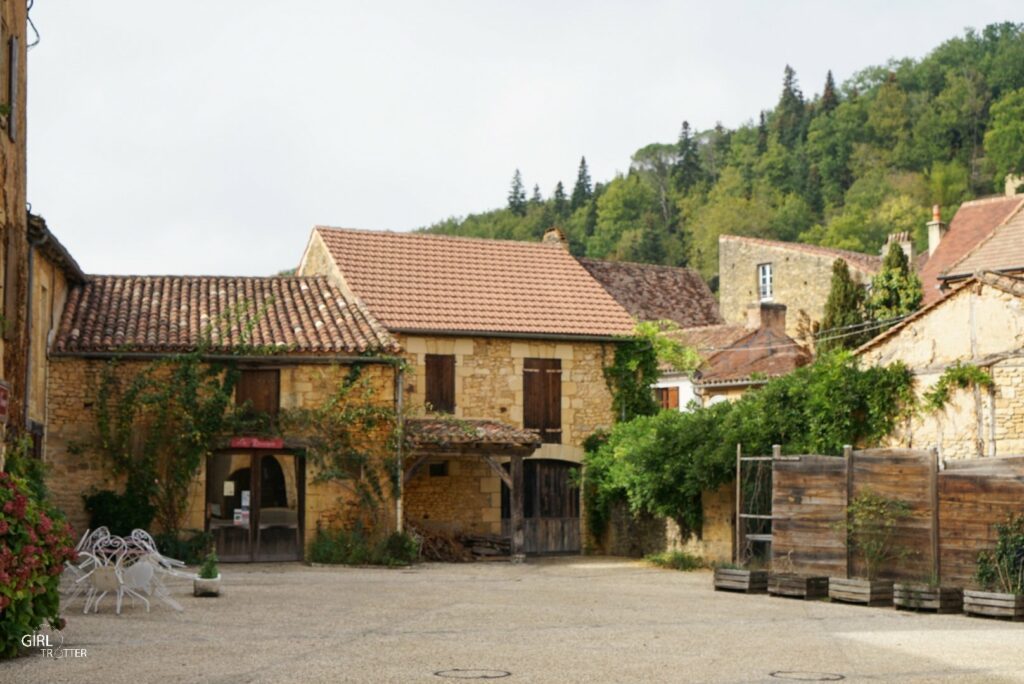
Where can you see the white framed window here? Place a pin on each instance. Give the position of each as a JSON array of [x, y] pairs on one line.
[[764, 282]]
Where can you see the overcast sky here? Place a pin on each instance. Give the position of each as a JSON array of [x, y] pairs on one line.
[[210, 136]]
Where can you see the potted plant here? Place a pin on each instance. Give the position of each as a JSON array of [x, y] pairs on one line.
[[207, 583], [927, 595], [870, 527], [732, 577], [1001, 574], [788, 583]]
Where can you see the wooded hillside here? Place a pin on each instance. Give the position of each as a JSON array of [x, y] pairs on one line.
[[842, 168]]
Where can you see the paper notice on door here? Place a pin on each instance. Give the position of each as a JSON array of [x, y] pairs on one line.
[[229, 488], [241, 518], [245, 498]]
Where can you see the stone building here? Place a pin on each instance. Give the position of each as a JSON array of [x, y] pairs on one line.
[[508, 334], [258, 496], [979, 322], [752, 271]]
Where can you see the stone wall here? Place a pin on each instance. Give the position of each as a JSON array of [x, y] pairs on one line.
[[467, 499], [49, 292], [801, 281], [75, 466]]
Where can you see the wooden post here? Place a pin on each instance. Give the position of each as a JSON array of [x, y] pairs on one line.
[[933, 496], [516, 501], [739, 506], [848, 459]]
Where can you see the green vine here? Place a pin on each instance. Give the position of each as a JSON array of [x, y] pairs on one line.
[[958, 376]]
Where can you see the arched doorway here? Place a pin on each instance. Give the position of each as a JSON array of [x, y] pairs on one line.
[[551, 506]]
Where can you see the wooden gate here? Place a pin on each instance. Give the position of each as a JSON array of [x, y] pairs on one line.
[[551, 503]]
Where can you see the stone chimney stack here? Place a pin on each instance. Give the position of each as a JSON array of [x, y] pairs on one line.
[[555, 236], [936, 230], [904, 241], [1014, 184], [767, 316]]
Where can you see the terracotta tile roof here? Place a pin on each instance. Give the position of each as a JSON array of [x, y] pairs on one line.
[[974, 221], [1002, 250], [762, 353], [709, 338], [867, 263], [650, 292], [168, 314], [1007, 283], [437, 283], [452, 433]]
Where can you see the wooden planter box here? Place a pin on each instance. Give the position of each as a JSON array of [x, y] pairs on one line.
[[749, 581], [994, 604], [866, 592], [797, 586], [910, 596]]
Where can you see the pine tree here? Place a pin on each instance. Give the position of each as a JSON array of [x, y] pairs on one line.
[[762, 134], [558, 199], [895, 290], [843, 309], [535, 197], [789, 113], [687, 171], [829, 96], [517, 195], [582, 191]]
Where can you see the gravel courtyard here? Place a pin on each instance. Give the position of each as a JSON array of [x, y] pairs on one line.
[[558, 620]]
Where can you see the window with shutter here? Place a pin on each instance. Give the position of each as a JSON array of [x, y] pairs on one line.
[[261, 389], [441, 382], [667, 397], [542, 398]]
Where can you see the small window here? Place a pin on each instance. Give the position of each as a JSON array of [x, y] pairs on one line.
[[764, 282], [261, 389], [441, 382], [438, 469], [667, 397]]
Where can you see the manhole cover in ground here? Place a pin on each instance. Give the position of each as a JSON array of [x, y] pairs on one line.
[[473, 674], [796, 676]]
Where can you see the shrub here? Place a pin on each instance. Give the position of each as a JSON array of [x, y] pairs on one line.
[[121, 513], [675, 560], [36, 542], [355, 547], [870, 528], [191, 549], [1002, 569], [209, 569]]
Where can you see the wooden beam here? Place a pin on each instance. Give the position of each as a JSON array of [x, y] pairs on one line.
[[848, 459], [407, 475], [933, 497], [498, 470], [739, 507], [516, 500]]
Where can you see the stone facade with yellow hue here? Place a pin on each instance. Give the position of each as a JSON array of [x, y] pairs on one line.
[[801, 280], [49, 293], [981, 325], [489, 385], [74, 467]]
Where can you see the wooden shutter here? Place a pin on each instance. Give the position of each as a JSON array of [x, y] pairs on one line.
[[441, 382], [542, 398], [262, 389]]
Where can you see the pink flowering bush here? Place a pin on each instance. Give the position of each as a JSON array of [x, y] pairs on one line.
[[35, 542]]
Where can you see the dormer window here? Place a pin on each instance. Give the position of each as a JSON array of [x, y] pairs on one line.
[[764, 282]]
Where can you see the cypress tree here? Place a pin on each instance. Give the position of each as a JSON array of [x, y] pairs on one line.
[[517, 195], [582, 191], [896, 290], [687, 169], [844, 308], [535, 198], [829, 97]]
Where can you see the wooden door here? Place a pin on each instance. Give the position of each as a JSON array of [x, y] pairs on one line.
[[551, 507]]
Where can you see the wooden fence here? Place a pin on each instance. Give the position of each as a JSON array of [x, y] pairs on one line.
[[952, 511]]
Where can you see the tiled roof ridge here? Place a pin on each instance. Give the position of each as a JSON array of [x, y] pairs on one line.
[[416, 233], [642, 264], [992, 200], [810, 249], [985, 240]]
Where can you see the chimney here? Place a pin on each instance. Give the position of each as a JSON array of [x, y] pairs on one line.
[[901, 238], [1014, 184], [555, 236], [767, 316], [936, 230]]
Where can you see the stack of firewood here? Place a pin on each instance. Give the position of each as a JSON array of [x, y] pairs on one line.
[[438, 545], [486, 545]]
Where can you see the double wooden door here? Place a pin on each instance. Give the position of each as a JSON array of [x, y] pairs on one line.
[[551, 507]]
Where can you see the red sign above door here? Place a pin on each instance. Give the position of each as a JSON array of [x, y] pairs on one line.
[[257, 443]]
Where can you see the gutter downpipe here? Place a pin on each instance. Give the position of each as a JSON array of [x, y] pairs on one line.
[[28, 326], [399, 441]]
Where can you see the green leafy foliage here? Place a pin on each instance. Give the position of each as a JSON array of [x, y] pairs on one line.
[[1002, 568], [189, 546], [958, 376], [356, 547], [870, 529], [209, 568], [675, 560], [661, 464], [36, 544], [844, 169], [844, 312], [896, 289], [637, 366], [120, 513]]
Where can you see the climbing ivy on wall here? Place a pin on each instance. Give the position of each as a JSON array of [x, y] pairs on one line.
[[958, 376]]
